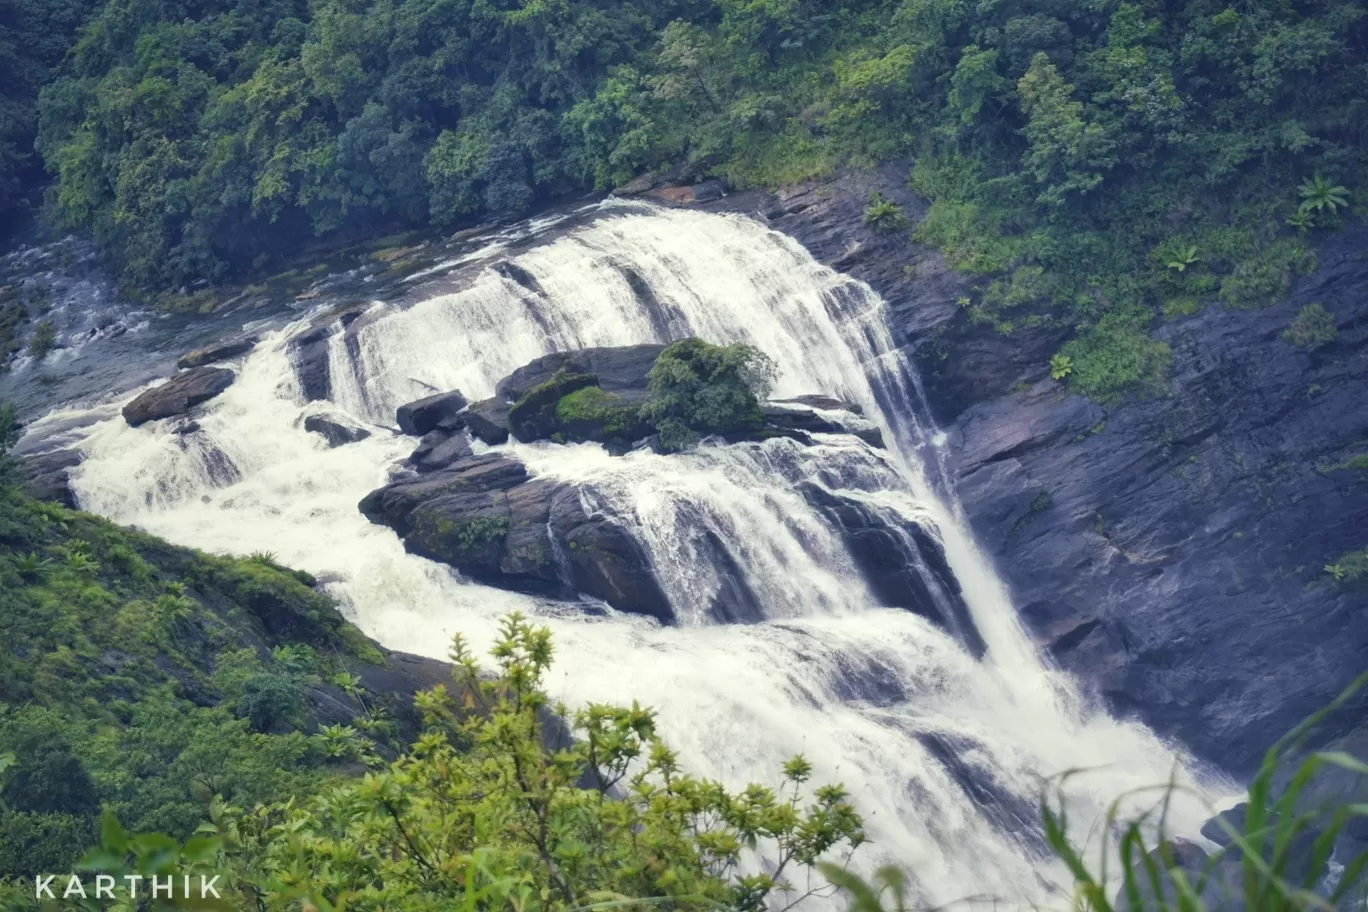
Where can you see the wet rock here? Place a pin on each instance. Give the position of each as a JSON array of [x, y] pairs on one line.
[[818, 401], [617, 369], [178, 395], [420, 417], [337, 431], [309, 355], [488, 519], [704, 192], [219, 351], [605, 561], [440, 449], [636, 187], [534, 417], [901, 562], [308, 351], [48, 475], [488, 420], [808, 418]]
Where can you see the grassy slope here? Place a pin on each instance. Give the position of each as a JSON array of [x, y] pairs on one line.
[[148, 678]]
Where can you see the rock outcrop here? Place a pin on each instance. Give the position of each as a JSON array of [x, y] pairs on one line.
[[218, 351], [337, 430], [178, 395], [1168, 551], [487, 518], [47, 476], [903, 564]]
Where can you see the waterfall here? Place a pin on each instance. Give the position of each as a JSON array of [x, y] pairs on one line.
[[945, 754]]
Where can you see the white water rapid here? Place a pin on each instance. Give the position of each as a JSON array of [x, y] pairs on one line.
[[854, 687]]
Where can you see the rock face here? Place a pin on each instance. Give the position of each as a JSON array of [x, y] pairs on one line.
[[487, 518], [903, 564], [178, 395], [337, 431], [48, 475], [822, 419], [418, 418], [488, 420], [219, 351], [1167, 551], [440, 449], [309, 351]]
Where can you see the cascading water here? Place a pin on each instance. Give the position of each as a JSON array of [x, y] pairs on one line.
[[876, 698]]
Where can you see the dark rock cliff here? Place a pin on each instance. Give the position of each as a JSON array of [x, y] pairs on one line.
[[1169, 551]]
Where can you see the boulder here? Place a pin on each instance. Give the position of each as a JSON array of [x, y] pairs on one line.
[[218, 351], [485, 517], [488, 420], [337, 431], [533, 416], [902, 563], [636, 187], [618, 368], [308, 353], [440, 449], [605, 561], [424, 415], [178, 395]]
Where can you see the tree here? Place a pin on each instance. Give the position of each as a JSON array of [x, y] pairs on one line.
[[495, 807], [1069, 152]]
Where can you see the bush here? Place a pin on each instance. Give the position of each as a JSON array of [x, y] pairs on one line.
[[1311, 328], [698, 389]]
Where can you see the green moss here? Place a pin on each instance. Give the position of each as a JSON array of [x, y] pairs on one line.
[[534, 416], [593, 413], [1350, 568]]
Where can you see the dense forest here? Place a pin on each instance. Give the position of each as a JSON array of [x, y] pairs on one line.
[[1122, 162]]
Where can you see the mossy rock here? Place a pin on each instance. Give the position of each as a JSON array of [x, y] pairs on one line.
[[534, 416]]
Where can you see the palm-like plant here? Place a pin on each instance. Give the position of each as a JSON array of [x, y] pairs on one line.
[[1183, 258], [1318, 195], [1303, 220]]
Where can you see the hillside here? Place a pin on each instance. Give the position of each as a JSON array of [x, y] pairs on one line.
[[147, 679]]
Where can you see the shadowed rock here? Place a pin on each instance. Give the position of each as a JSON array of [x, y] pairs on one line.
[[219, 351], [336, 431], [488, 519], [178, 395], [420, 417]]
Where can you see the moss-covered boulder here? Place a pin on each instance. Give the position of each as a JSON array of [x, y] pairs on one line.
[[534, 415]]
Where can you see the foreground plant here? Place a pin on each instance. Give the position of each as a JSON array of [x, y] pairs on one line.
[[506, 802]]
